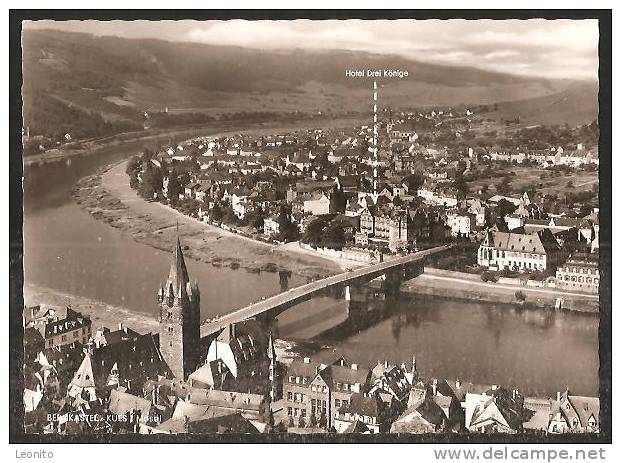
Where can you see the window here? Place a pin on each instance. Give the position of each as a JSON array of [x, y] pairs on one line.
[[338, 386], [289, 396], [63, 338], [303, 413], [337, 403], [289, 411]]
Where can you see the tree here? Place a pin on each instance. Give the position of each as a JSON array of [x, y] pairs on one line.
[[334, 236], [133, 165], [505, 208], [322, 160], [301, 422], [313, 234], [216, 213], [257, 219], [312, 422], [174, 188], [520, 296], [146, 155], [504, 186], [288, 231]]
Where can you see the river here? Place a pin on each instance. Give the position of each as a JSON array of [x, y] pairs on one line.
[[67, 250]]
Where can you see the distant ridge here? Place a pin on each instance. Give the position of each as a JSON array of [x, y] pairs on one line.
[[74, 80]]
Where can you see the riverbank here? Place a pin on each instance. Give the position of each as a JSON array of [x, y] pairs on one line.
[[107, 196], [445, 284], [101, 314], [92, 147]]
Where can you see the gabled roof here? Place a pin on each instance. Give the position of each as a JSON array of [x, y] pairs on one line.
[[497, 405], [541, 242], [363, 405], [356, 427], [345, 374], [537, 413], [122, 402], [84, 376], [225, 399]]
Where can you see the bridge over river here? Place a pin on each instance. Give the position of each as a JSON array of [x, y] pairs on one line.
[[394, 271]]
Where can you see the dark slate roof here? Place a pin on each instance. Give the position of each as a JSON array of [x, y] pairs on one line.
[[73, 321], [364, 405]]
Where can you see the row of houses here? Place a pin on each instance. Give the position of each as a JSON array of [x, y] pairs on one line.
[[349, 398]]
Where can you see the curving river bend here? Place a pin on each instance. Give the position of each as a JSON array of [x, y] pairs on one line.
[[67, 250]]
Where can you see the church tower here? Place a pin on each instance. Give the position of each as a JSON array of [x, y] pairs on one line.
[[179, 306]]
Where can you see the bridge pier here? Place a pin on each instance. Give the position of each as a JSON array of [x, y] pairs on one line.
[[268, 322], [392, 283], [394, 277], [357, 301]]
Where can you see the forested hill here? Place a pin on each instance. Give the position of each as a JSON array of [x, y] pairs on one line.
[[89, 85]]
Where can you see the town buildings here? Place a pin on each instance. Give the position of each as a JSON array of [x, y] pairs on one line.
[[579, 273], [519, 251], [56, 329]]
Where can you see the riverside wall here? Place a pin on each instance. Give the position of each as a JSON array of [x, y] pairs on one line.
[[466, 286]]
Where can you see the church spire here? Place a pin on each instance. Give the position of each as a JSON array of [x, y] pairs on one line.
[[178, 276], [179, 309]]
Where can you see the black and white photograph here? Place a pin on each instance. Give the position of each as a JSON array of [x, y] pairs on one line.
[[343, 228]]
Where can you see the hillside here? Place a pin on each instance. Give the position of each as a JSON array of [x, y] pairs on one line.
[[98, 85]]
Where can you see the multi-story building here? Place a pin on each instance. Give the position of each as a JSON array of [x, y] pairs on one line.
[[461, 222], [579, 273], [271, 226], [536, 251], [74, 327], [319, 389], [318, 204], [365, 413], [388, 225]]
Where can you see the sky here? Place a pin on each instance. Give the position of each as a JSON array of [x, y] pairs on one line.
[[535, 47]]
